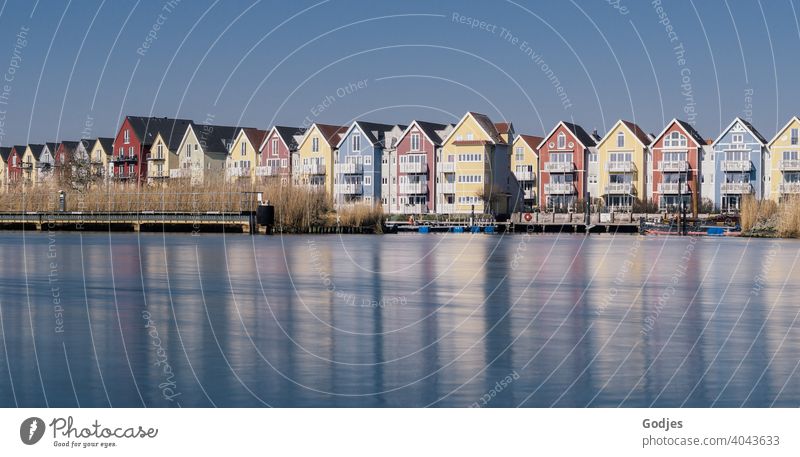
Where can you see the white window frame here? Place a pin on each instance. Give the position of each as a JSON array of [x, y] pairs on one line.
[[415, 143], [621, 140], [355, 142], [368, 160], [561, 141], [274, 146], [367, 180]]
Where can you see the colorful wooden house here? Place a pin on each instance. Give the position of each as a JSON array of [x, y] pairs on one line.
[[279, 144], [203, 153], [474, 168], [38, 163], [316, 156], [737, 167], [676, 165], [623, 155], [100, 157], [133, 143], [244, 154], [357, 163], [525, 165], [563, 158], [783, 178], [163, 155], [14, 165], [415, 162], [5, 154]]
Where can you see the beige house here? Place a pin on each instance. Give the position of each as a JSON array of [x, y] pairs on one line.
[[202, 152]]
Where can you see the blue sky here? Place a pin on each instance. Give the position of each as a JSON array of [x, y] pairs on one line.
[[257, 63]]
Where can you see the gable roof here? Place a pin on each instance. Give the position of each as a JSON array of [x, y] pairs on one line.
[[687, 128], [146, 128], [5, 152], [331, 133], [36, 150], [429, 129], [19, 148], [288, 135], [531, 140], [254, 136], [214, 138], [52, 146], [635, 130], [779, 132], [503, 127], [106, 143], [576, 130], [484, 123], [87, 143], [69, 146], [373, 131]]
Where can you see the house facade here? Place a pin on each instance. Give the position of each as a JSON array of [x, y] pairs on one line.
[[37, 163], [14, 168], [411, 187], [244, 154], [100, 157], [563, 159], [623, 162], [134, 141], [315, 156], [783, 176], [202, 153], [5, 153], [525, 166], [474, 168], [676, 155], [737, 170], [279, 144]]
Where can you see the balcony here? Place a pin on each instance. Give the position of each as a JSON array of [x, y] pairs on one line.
[[672, 188], [736, 188], [446, 208], [180, 173], [620, 188], [673, 165], [736, 165], [266, 170], [789, 188], [789, 165], [348, 189], [559, 167], [563, 188], [621, 166], [123, 159], [526, 175], [348, 168], [413, 167], [447, 188], [314, 169], [420, 187], [152, 158], [447, 167], [529, 194], [239, 171]]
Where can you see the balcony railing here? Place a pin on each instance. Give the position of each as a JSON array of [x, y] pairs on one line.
[[529, 194], [413, 167], [736, 165], [447, 188], [620, 188], [239, 171], [790, 188], [559, 188], [180, 173], [151, 157], [789, 165], [447, 167], [123, 158], [673, 165], [526, 175], [348, 189], [314, 169], [622, 166], [559, 167], [414, 187], [348, 168], [672, 188], [266, 170], [736, 188]]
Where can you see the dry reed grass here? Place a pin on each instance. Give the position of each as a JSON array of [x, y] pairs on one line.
[[756, 212], [789, 218]]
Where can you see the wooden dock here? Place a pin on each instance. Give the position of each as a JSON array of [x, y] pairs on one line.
[[129, 221]]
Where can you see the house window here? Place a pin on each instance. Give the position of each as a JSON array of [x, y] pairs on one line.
[[284, 163], [14, 161], [356, 142], [794, 136], [315, 144], [469, 136], [415, 141], [188, 151], [130, 151], [274, 147], [130, 169], [367, 180], [620, 140], [368, 160], [160, 151], [244, 148], [737, 138], [127, 136], [675, 140], [520, 154], [562, 141]]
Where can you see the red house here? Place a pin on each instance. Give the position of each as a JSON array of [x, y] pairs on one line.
[[563, 158], [276, 151], [416, 161], [133, 141], [676, 166], [15, 164]]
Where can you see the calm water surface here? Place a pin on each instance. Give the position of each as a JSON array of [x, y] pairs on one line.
[[397, 320]]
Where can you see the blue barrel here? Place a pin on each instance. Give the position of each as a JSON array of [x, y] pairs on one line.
[[458, 229], [475, 229], [424, 229], [488, 229]]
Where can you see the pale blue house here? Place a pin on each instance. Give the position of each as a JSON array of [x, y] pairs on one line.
[[357, 162], [739, 157]]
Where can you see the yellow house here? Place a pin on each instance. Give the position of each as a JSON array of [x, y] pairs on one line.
[[315, 154], [37, 162], [203, 153], [474, 170], [99, 155], [244, 154], [622, 158], [160, 160], [525, 166], [783, 179]]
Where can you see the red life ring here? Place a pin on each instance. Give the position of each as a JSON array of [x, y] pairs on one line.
[[528, 217], [410, 219]]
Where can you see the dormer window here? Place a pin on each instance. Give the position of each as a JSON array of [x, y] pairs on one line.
[[620, 140], [562, 141]]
